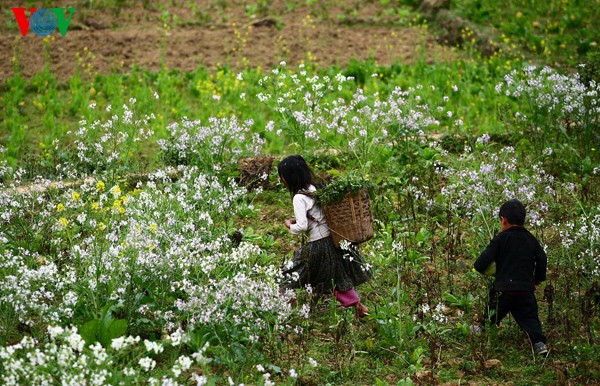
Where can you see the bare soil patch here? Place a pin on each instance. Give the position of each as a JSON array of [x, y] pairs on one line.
[[105, 40]]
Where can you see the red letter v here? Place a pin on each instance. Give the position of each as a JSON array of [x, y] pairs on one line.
[[22, 20]]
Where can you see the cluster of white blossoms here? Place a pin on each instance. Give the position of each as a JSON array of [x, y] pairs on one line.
[[161, 251], [222, 140], [65, 358], [553, 93], [480, 182]]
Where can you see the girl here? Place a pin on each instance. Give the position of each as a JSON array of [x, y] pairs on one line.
[[318, 262]]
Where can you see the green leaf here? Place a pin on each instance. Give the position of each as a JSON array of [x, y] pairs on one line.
[[90, 331], [343, 184], [451, 299], [114, 329]]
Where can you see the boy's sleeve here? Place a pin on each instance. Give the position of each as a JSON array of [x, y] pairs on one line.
[[541, 263], [487, 257]]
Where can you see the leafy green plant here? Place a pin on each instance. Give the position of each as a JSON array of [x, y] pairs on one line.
[[105, 329], [343, 184], [464, 302]]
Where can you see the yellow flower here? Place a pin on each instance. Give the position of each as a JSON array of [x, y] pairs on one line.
[[118, 207], [41, 260], [100, 186], [95, 206], [519, 15], [153, 227], [75, 196], [60, 207], [101, 226], [63, 221], [116, 191]]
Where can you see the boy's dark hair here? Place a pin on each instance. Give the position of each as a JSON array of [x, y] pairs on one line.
[[513, 211], [296, 173]]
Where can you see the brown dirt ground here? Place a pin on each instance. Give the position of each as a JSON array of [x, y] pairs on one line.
[[183, 37]]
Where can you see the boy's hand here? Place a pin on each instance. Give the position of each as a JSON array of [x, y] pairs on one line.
[[288, 223]]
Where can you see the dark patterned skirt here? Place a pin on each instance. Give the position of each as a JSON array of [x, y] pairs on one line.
[[325, 267]]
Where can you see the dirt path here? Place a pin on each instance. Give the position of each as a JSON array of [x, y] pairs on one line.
[[99, 43]]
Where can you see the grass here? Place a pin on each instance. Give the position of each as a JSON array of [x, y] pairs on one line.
[[40, 110], [561, 32]]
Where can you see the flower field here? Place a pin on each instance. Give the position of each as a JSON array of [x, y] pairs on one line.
[[135, 250]]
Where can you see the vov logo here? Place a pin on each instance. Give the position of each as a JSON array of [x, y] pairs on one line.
[[43, 22]]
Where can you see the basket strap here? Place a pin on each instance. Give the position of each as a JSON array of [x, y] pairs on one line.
[[341, 236], [314, 220]]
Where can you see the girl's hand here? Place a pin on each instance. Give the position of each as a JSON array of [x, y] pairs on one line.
[[288, 223]]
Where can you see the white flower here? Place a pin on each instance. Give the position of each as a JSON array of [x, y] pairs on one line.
[[99, 353], [118, 343], [128, 372], [200, 379], [185, 362], [155, 347], [177, 337], [485, 138], [147, 364], [75, 341], [55, 331], [345, 245]]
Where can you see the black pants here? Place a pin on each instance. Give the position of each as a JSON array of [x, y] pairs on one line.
[[524, 309]]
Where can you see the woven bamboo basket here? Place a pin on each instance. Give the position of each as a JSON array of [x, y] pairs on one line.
[[350, 219]]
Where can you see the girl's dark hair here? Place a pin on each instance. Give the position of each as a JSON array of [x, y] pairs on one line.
[[513, 211], [296, 173]]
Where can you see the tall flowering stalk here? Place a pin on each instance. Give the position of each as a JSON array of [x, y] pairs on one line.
[[578, 267], [333, 112], [220, 142], [556, 106], [107, 148], [160, 253], [480, 181]]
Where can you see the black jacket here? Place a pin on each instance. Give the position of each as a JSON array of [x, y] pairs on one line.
[[520, 260]]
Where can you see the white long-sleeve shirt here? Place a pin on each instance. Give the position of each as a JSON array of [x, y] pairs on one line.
[[317, 228]]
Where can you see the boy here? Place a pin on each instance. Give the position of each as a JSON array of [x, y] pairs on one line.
[[520, 266]]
